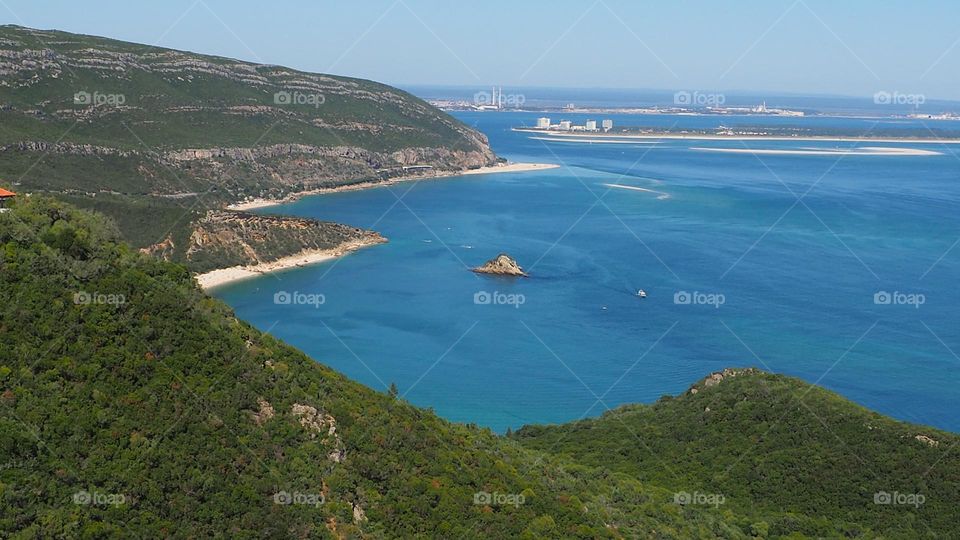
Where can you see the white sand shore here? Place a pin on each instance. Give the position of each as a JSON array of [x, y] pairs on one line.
[[493, 169], [861, 151], [705, 137], [222, 276]]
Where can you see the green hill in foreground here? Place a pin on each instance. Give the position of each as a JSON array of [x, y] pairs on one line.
[[133, 405], [775, 447]]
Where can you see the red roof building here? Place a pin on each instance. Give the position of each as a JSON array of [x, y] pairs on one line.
[[6, 196]]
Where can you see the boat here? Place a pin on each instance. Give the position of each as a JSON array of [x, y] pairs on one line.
[[642, 293]]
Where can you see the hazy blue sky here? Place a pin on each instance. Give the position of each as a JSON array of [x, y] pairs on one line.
[[850, 47]]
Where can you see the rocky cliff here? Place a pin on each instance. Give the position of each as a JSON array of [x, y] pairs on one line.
[[225, 238]]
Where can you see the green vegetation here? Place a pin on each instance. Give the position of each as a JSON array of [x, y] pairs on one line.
[[789, 455]]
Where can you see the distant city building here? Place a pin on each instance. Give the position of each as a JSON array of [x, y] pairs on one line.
[[543, 123], [607, 124], [591, 125], [565, 125]]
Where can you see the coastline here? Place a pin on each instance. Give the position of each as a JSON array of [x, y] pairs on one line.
[[223, 276], [707, 137], [493, 169]]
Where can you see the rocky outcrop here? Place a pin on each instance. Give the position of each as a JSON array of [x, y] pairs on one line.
[[265, 413], [359, 515], [929, 441], [162, 250], [86, 150], [501, 265], [717, 377], [321, 425], [314, 421]]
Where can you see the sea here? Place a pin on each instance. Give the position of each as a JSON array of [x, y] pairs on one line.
[[805, 258]]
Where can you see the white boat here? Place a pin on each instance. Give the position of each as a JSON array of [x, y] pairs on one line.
[[642, 293]]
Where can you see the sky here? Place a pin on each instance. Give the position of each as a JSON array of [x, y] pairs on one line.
[[813, 47]]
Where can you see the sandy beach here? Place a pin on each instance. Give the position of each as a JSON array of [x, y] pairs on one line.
[[705, 137], [222, 276], [493, 169]]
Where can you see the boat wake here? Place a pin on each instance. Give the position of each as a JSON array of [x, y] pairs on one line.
[[661, 196]]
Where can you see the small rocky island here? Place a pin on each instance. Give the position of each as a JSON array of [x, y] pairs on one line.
[[502, 265]]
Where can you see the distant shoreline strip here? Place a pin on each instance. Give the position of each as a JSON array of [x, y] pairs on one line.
[[858, 151], [706, 137]]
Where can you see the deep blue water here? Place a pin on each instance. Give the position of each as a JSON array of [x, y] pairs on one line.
[[798, 279]]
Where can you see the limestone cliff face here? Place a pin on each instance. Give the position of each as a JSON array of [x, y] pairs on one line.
[[225, 238], [186, 112]]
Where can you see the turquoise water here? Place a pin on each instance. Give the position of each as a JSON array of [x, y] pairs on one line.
[[797, 280]]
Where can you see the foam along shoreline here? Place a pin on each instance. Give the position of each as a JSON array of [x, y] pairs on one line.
[[858, 151], [660, 194], [706, 137], [493, 169], [223, 276]]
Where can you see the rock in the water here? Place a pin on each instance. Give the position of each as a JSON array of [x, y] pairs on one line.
[[502, 265]]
